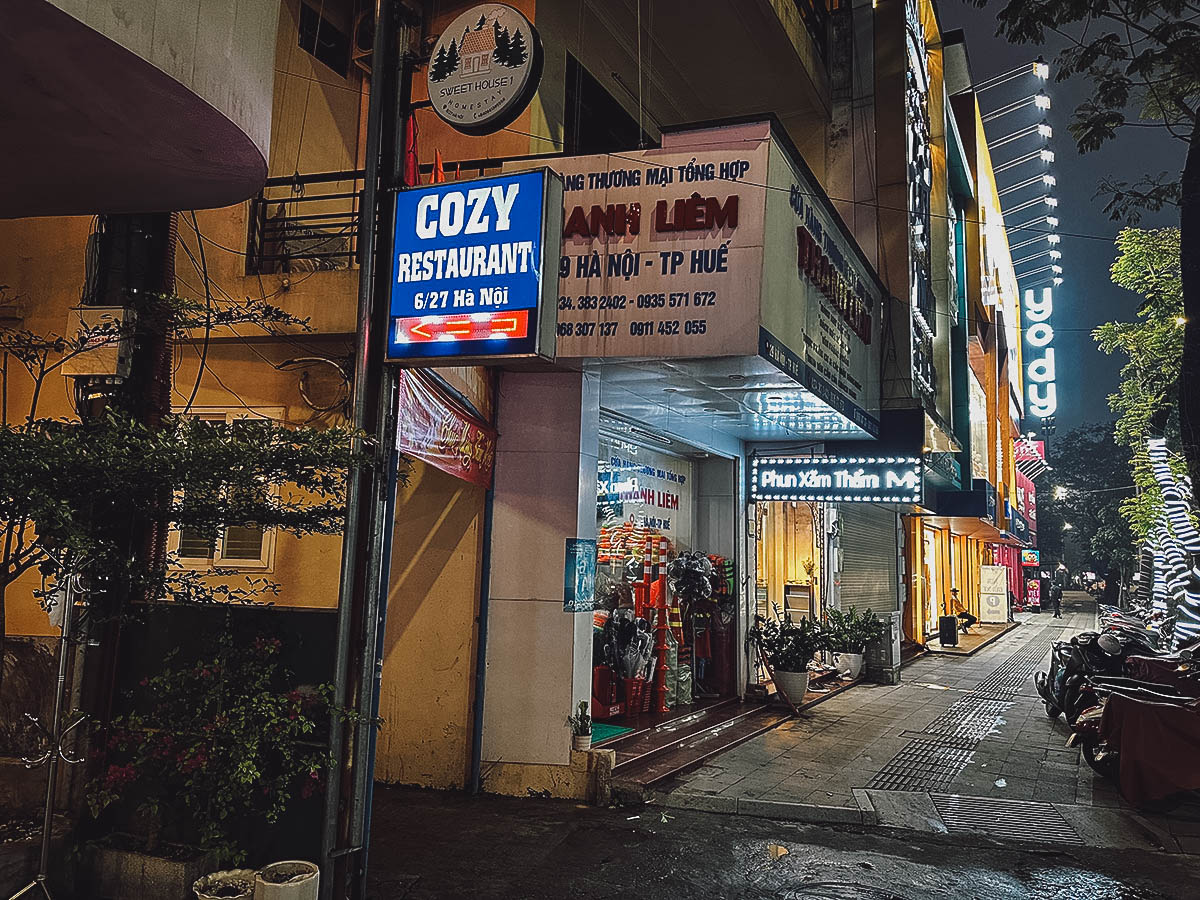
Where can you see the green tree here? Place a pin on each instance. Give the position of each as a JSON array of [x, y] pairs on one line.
[[1090, 480], [453, 60], [64, 483], [1148, 264], [1143, 60]]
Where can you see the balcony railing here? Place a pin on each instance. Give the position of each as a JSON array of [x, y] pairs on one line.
[[304, 223]]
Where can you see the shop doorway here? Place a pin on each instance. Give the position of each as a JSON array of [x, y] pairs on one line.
[[666, 584]]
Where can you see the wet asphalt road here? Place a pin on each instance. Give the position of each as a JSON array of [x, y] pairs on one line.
[[435, 845]]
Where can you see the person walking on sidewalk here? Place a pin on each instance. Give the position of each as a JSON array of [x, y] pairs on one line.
[[1056, 600]]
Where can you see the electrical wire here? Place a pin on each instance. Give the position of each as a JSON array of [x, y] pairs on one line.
[[208, 302]]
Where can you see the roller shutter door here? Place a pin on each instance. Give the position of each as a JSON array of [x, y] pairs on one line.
[[868, 542]]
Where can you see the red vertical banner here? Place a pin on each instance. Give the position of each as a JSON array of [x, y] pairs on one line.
[[434, 428]]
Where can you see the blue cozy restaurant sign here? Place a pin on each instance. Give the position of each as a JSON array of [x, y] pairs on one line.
[[846, 479], [467, 268]]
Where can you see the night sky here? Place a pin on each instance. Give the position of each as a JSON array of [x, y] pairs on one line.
[[1087, 297]]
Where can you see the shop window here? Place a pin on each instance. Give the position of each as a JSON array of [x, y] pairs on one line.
[[234, 546], [595, 121], [321, 38]]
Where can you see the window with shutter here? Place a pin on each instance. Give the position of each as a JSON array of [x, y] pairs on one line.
[[236, 546]]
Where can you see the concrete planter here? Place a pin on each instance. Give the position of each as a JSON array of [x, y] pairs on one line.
[[794, 684], [849, 665], [288, 880], [228, 884], [115, 873]]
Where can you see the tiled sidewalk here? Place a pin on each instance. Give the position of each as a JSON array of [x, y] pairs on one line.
[[970, 726]]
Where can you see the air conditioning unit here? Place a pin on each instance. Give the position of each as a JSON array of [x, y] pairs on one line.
[[100, 340]]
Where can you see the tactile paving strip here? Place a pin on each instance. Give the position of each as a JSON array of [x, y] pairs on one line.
[[924, 764], [934, 762], [1009, 677], [971, 718]]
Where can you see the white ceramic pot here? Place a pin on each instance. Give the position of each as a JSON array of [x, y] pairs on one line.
[[218, 885], [849, 665], [793, 684], [291, 879], [581, 741]]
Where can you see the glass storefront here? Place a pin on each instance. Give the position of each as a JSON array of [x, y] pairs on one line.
[[665, 626]]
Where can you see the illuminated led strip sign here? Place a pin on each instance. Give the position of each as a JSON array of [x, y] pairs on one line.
[[844, 479], [1039, 371]]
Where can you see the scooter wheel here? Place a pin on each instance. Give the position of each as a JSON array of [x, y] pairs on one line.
[[1051, 710], [1106, 765]]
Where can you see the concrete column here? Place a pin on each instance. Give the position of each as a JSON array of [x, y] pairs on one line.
[[539, 658]]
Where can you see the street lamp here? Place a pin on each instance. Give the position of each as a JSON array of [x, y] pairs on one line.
[[1039, 69], [1046, 156], [1031, 241], [1041, 100], [1053, 254], [1051, 202], [1046, 179], [1067, 526], [1042, 129]]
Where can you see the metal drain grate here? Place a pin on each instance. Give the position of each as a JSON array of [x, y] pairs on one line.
[[972, 718], [1013, 819], [924, 764]]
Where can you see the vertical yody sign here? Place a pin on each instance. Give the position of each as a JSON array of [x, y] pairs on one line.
[[1039, 371], [467, 269], [485, 68]]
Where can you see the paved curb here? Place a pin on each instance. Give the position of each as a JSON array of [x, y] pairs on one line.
[[913, 813]]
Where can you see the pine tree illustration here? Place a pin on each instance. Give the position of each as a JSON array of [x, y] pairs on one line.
[[453, 60], [517, 51], [482, 21], [503, 41], [441, 65]]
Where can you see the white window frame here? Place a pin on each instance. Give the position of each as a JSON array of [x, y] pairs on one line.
[[266, 558]]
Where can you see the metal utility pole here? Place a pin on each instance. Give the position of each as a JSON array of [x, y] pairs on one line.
[[347, 799]]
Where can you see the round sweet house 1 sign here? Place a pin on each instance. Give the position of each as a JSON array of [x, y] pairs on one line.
[[485, 68]]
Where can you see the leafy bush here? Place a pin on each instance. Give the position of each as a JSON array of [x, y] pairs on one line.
[[850, 631], [215, 749], [789, 646]]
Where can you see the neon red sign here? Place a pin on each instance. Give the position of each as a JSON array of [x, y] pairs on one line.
[[487, 326]]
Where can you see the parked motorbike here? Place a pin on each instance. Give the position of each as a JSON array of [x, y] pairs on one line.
[[1087, 653]]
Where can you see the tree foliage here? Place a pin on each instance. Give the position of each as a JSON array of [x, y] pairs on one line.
[[65, 483], [1091, 478]]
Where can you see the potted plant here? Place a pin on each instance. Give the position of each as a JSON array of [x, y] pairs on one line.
[[288, 880], [581, 728], [849, 633], [229, 884], [789, 647]]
